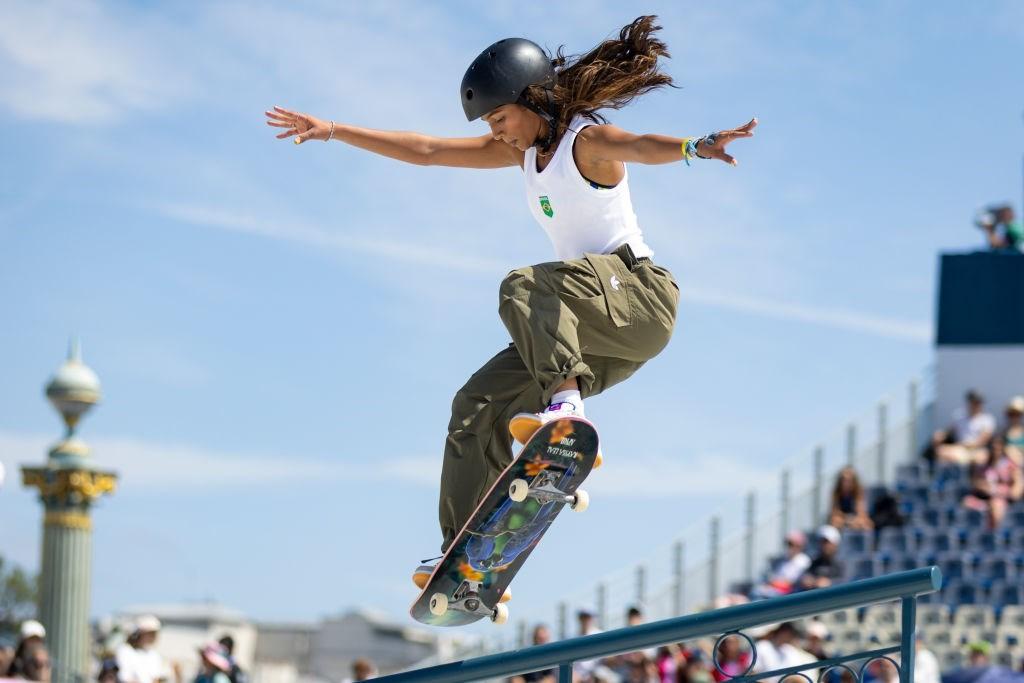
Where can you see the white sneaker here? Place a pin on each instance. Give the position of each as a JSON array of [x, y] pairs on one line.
[[524, 425]]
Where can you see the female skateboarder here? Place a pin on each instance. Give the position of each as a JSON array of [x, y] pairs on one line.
[[592, 317]]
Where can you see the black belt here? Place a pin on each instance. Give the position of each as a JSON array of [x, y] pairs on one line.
[[625, 252]]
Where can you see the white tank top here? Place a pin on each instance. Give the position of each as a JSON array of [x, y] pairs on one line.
[[578, 217]]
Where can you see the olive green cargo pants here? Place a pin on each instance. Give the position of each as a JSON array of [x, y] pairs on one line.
[[597, 319]]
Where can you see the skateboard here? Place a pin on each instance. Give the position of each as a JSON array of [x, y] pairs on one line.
[[506, 526]]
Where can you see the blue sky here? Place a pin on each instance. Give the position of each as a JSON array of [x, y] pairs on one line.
[[279, 330]]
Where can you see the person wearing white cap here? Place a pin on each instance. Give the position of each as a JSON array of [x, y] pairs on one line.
[[30, 634], [137, 659], [825, 569]]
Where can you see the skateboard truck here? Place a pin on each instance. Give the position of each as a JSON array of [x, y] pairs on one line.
[[467, 599], [545, 491]]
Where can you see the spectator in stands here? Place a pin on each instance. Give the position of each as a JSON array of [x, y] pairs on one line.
[[585, 670], [995, 485], [964, 442], [34, 663], [849, 504], [214, 664], [541, 635], [926, 664], [885, 512], [108, 672], [880, 671], [696, 668], [733, 659], [236, 674], [815, 637], [785, 571], [30, 633], [825, 568], [363, 669], [779, 650], [137, 659], [1001, 230], [978, 653], [1013, 434], [6, 657]]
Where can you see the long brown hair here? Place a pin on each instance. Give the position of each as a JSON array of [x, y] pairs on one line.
[[837, 490], [610, 76]]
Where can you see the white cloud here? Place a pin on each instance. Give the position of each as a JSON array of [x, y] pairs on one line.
[[75, 63], [835, 318], [157, 466]]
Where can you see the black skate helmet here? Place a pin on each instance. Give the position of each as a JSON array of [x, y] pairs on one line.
[[501, 75]]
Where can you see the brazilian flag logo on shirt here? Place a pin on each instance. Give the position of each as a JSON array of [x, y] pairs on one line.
[[545, 206]]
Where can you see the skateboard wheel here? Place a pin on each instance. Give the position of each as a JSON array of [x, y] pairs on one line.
[[581, 501], [438, 604], [500, 613], [518, 490]]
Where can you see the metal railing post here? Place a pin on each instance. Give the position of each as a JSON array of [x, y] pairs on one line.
[[819, 476], [678, 578], [912, 422], [749, 550], [851, 444], [908, 615], [883, 436], [641, 579], [784, 507], [713, 555]]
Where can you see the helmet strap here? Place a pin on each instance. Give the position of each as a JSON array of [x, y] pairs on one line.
[[548, 117]]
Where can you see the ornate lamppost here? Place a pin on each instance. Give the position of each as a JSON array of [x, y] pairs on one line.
[[68, 485]]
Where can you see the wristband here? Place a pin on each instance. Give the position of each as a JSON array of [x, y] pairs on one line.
[[689, 149]]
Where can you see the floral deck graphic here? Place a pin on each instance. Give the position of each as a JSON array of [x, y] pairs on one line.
[[502, 532]]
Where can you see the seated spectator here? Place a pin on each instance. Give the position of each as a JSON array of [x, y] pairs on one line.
[[696, 668], [964, 442], [815, 636], [236, 674], [825, 568], [108, 672], [786, 571], [1013, 434], [926, 664], [363, 669], [978, 653], [885, 511], [214, 665], [30, 633], [995, 485], [34, 663], [733, 659], [1001, 230], [779, 650], [541, 636], [849, 506]]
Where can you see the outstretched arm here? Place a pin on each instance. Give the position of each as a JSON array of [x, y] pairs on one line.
[[413, 148], [611, 143]]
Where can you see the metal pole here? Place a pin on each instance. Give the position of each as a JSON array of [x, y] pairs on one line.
[[678, 596], [640, 587], [602, 603], [713, 553], [883, 429], [851, 444], [563, 611], [819, 476], [521, 634], [912, 422], [907, 639], [785, 507], [751, 523]]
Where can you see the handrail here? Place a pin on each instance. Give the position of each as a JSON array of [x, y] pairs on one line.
[[906, 585]]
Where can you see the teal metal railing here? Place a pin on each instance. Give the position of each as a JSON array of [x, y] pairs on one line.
[[902, 586]]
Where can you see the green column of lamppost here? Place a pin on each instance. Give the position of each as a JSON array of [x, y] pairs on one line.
[[68, 485]]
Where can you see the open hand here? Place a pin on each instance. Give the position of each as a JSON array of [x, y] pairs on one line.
[[302, 126], [713, 146]]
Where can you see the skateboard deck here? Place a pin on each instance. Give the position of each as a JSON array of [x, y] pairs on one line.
[[469, 580]]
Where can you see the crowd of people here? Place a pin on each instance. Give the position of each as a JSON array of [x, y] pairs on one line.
[[136, 660], [784, 645]]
